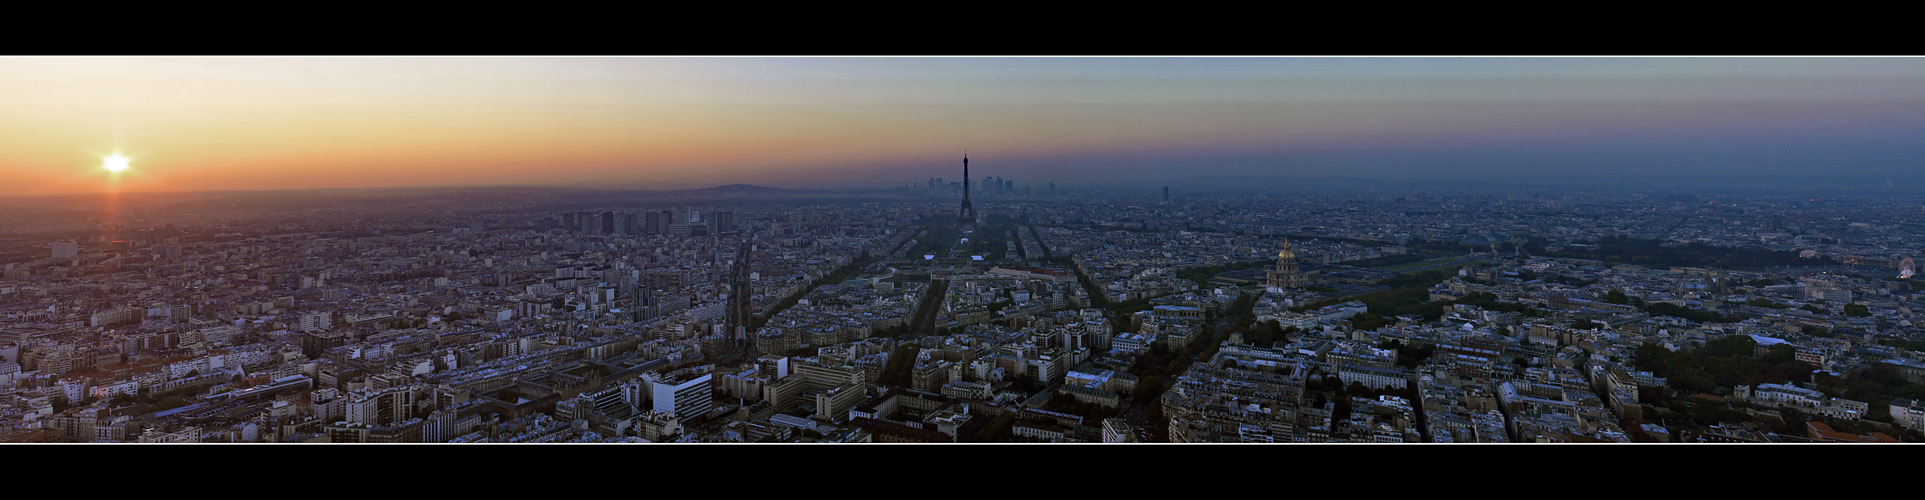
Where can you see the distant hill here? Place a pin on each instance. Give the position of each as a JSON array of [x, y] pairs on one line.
[[534, 197], [741, 189], [1284, 183]]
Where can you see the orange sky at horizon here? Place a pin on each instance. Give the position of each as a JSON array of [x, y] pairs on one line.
[[211, 124], [247, 123], [279, 123]]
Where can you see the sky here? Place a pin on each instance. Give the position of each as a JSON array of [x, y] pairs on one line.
[[245, 123]]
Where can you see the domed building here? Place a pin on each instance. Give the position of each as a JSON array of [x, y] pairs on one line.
[[1286, 274]]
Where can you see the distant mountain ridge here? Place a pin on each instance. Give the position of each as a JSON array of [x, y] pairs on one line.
[[741, 189], [1269, 183]]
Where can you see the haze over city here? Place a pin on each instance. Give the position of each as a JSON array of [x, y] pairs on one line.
[[245, 123], [614, 250]]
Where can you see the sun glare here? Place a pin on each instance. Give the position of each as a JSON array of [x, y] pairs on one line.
[[115, 163]]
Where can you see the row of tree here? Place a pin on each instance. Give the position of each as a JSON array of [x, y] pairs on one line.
[[1656, 254], [843, 273], [1407, 356], [1726, 362], [896, 371], [1698, 315], [1091, 412], [1387, 260], [1202, 274]]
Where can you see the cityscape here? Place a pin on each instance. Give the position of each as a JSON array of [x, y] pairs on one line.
[[1131, 258]]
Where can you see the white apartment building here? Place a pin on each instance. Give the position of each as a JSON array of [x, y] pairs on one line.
[[687, 399], [1802, 399]]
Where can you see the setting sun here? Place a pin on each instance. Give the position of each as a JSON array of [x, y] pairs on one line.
[[115, 163]]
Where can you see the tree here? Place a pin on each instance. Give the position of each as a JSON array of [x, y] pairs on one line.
[[169, 402], [1030, 384], [1731, 345], [1794, 419], [1409, 357], [1176, 364], [1341, 411], [1857, 310], [1159, 425], [997, 431], [1781, 354], [897, 372], [1658, 396], [1617, 297]]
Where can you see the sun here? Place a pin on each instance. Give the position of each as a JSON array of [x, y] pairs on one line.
[[115, 163]]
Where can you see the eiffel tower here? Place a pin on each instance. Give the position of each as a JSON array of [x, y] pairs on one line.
[[966, 217]]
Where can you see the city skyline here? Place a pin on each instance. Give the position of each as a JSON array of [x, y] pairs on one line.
[[248, 123], [1237, 307]]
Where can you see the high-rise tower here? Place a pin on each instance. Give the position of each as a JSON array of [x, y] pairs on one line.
[[966, 216]]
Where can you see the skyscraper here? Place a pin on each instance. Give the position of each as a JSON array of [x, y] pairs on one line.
[[645, 306], [591, 223], [65, 249]]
